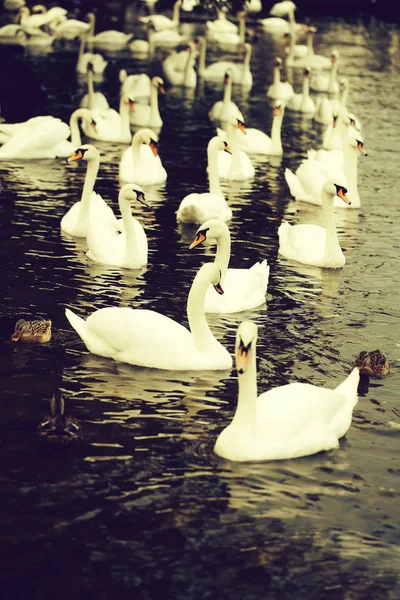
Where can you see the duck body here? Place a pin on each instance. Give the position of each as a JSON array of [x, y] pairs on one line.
[[294, 420], [29, 332], [143, 337], [58, 428], [373, 364]]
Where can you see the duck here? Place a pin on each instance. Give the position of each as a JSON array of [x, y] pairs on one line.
[[183, 73], [279, 90], [288, 421], [111, 38], [303, 102], [229, 40], [373, 364], [254, 141], [28, 332], [312, 244], [161, 22], [148, 115], [240, 72], [108, 246], [93, 100], [111, 125], [143, 337], [221, 110], [309, 60], [76, 220], [84, 58], [58, 428], [197, 208], [141, 163], [236, 166], [327, 82], [244, 289]]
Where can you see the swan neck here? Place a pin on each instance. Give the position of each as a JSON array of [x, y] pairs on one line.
[[306, 87], [199, 327], [90, 178], [247, 58], [202, 57], [76, 140], [125, 131], [242, 29], [223, 253], [189, 66], [310, 41], [212, 169], [90, 90], [81, 50], [136, 145], [131, 244], [175, 14], [245, 412], [227, 92], [277, 76], [332, 245], [236, 165], [154, 110], [332, 77], [276, 140]]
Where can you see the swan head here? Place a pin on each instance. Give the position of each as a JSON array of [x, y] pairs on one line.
[[86, 152], [336, 189], [212, 273], [279, 108], [131, 192], [236, 119], [210, 230], [356, 141], [227, 76], [307, 73], [278, 62], [246, 339], [158, 83], [217, 143], [147, 136], [334, 55]]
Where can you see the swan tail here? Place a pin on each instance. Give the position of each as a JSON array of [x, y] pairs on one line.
[[77, 323], [348, 387], [295, 187]]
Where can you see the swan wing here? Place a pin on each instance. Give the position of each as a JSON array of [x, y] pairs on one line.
[[198, 208], [303, 243], [37, 141]]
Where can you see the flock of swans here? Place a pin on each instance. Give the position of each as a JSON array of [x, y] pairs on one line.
[[285, 422]]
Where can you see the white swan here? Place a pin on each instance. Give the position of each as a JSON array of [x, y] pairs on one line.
[[276, 24], [166, 38], [279, 90], [310, 60], [108, 246], [236, 166], [254, 141], [327, 82], [110, 38], [148, 115], [312, 244], [68, 29], [97, 61], [76, 221], [150, 339], [144, 48], [93, 100], [240, 72], [136, 86], [244, 289], [197, 208], [303, 102], [140, 163], [323, 110], [31, 23], [221, 25], [229, 39], [178, 67], [289, 421], [222, 109], [161, 22], [112, 126]]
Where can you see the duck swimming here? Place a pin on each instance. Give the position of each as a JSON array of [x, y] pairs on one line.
[[32, 331], [373, 364], [57, 428]]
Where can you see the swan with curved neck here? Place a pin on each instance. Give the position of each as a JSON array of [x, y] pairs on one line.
[[110, 38], [244, 289], [236, 166], [97, 61], [144, 337], [312, 244], [241, 72], [310, 60], [141, 163], [221, 24], [93, 100], [178, 68], [108, 246], [222, 109], [327, 82], [229, 39], [161, 22], [197, 208], [76, 221], [148, 115], [293, 420], [279, 90], [112, 126], [303, 102]]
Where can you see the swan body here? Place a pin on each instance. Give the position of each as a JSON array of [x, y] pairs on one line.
[[112, 126], [289, 421], [221, 25], [108, 246], [84, 58], [323, 111], [312, 244], [244, 289], [140, 163], [236, 166], [276, 24], [173, 71], [255, 141], [222, 109], [327, 82], [303, 102], [150, 339], [229, 39], [148, 115], [91, 205], [43, 138], [240, 72], [69, 29], [110, 38], [161, 22], [309, 60], [279, 90], [197, 208], [93, 100], [137, 86]]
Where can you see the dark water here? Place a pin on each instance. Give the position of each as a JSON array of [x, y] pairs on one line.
[[143, 508]]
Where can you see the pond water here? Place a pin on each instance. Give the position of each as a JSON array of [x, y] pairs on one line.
[[143, 508]]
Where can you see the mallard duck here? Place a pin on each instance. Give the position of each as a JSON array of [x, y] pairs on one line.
[[57, 428], [374, 364], [32, 331]]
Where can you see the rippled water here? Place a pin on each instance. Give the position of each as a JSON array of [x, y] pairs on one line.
[[143, 507]]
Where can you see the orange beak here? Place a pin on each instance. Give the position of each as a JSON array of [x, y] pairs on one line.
[[153, 147], [199, 240], [131, 105], [241, 126], [361, 148], [242, 360], [77, 156], [343, 196], [277, 111], [15, 336]]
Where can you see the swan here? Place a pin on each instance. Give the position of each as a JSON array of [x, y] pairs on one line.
[[254, 141], [197, 208], [137, 86], [166, 38], [221, 25], [222, 109], [276, 25], [68, 29], [144, 48], [279, 90], [93, 100], [140, 163], [303, 102], [32, 23], [76, 221], [240, 72], [310, 60], [173, 71], [323, 111], [229, 38], [327, 82], [108, 246], [148, 115], [13, 4], [112, 126], [236, 166], [150, 339], [289, 421], [96, 60], [244, 289], [161, 22], [312, 244], [109, 38]]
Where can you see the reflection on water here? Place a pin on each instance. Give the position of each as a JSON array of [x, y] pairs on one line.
[[144, 503]]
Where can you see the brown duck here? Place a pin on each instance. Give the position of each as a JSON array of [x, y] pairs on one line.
[[37, 332]]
